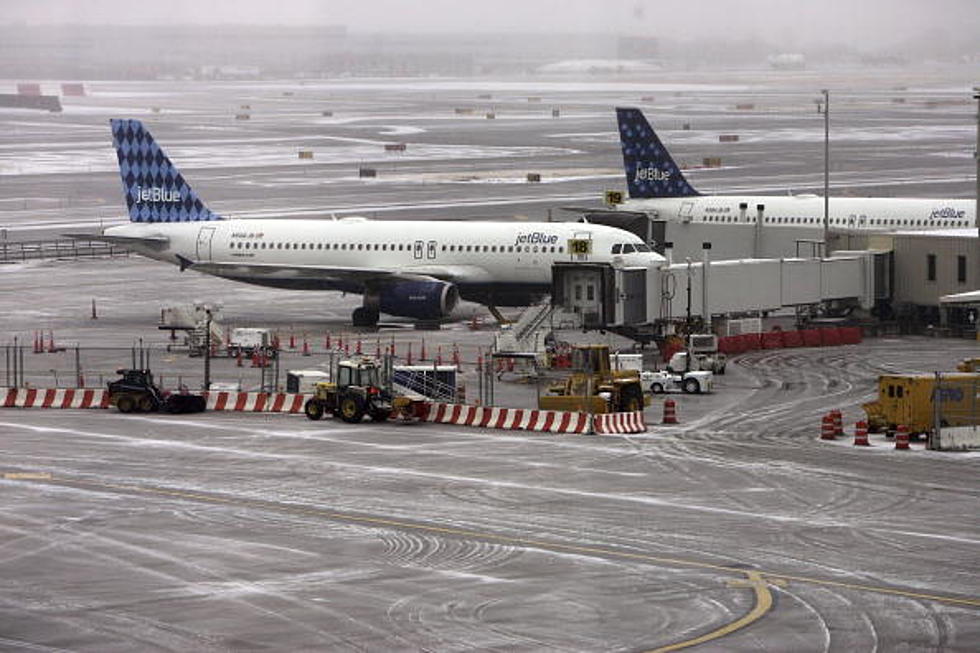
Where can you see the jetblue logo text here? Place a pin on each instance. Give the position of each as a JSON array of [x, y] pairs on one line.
[[536, 238], [652, 174], [156, 194]]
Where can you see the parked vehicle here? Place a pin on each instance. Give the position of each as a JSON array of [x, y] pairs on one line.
[[356, 392], [593, 386], [135, 392], [661, 381], [910, 400]]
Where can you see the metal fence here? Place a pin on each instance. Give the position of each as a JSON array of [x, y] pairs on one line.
[[29, 250]]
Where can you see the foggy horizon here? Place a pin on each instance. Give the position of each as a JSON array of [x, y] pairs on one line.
[[788, 25]]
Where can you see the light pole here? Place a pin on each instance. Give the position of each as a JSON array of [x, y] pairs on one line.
[[823, 106], [207, 350], [976, 157]]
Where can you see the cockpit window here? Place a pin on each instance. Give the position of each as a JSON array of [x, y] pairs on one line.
[[643, 248], [617, 248], [628, 249]]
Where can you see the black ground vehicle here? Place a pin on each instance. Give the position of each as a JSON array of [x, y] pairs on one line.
[[357, 392], [136, 392]]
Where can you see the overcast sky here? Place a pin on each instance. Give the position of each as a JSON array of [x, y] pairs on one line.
[[873, 22]]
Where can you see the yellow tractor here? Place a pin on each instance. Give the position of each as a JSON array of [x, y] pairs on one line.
[[594, 387], [356, 392]]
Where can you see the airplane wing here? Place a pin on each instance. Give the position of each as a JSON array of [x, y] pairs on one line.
[[155, 241], [452, 273]]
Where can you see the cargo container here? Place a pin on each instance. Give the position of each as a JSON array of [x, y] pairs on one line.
[[910, 399]]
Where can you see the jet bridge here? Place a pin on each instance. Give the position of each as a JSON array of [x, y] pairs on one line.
[[613, 296]]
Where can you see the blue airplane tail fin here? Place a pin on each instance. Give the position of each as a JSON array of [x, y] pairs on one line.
[[650, 170], [155, 190]]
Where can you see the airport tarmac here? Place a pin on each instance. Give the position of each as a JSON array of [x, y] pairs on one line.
[[736, 529]]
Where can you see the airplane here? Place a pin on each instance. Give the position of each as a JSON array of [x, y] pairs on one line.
[[413, 269], [656, 185]]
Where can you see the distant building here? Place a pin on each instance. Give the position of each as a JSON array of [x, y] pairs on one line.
[[787, 61]]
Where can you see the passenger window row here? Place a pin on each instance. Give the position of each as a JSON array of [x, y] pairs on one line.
[[889, 222], [401, 247]]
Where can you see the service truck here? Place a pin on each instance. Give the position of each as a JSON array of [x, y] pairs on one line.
[[248, 341], [701, 354], [696, 382], [910, 400]]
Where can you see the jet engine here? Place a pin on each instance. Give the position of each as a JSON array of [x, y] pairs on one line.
[[421, 300]]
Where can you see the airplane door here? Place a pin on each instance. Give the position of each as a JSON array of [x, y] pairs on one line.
[[685, 211], [418, 249], [204, 237], [430, 251]]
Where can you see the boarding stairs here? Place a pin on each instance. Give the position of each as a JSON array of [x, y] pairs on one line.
[[529, 332], [423, 385]]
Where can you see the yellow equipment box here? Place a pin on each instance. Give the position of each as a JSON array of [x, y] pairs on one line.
[[909, 399]]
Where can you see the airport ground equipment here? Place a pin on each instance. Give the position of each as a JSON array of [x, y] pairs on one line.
[[969, 365], [195, 320], [304, 380], [694, 382], [594, 387], [686, 361], [248, 341], [136, 392], [355, 392], [701, 353], [923, 401], [425, 382]]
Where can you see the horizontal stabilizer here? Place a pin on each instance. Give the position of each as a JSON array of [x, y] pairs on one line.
[[149, 241]]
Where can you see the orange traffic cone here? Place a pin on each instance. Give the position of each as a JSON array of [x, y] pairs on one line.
[[861, 435], [902, 437], [827, 431]]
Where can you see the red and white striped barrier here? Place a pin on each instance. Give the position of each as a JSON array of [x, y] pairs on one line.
[[619, 423], [256, 402], [548, 421], [55, 398]]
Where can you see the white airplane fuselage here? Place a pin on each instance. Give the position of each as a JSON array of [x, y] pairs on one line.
[[489, 262], [845, 214]]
